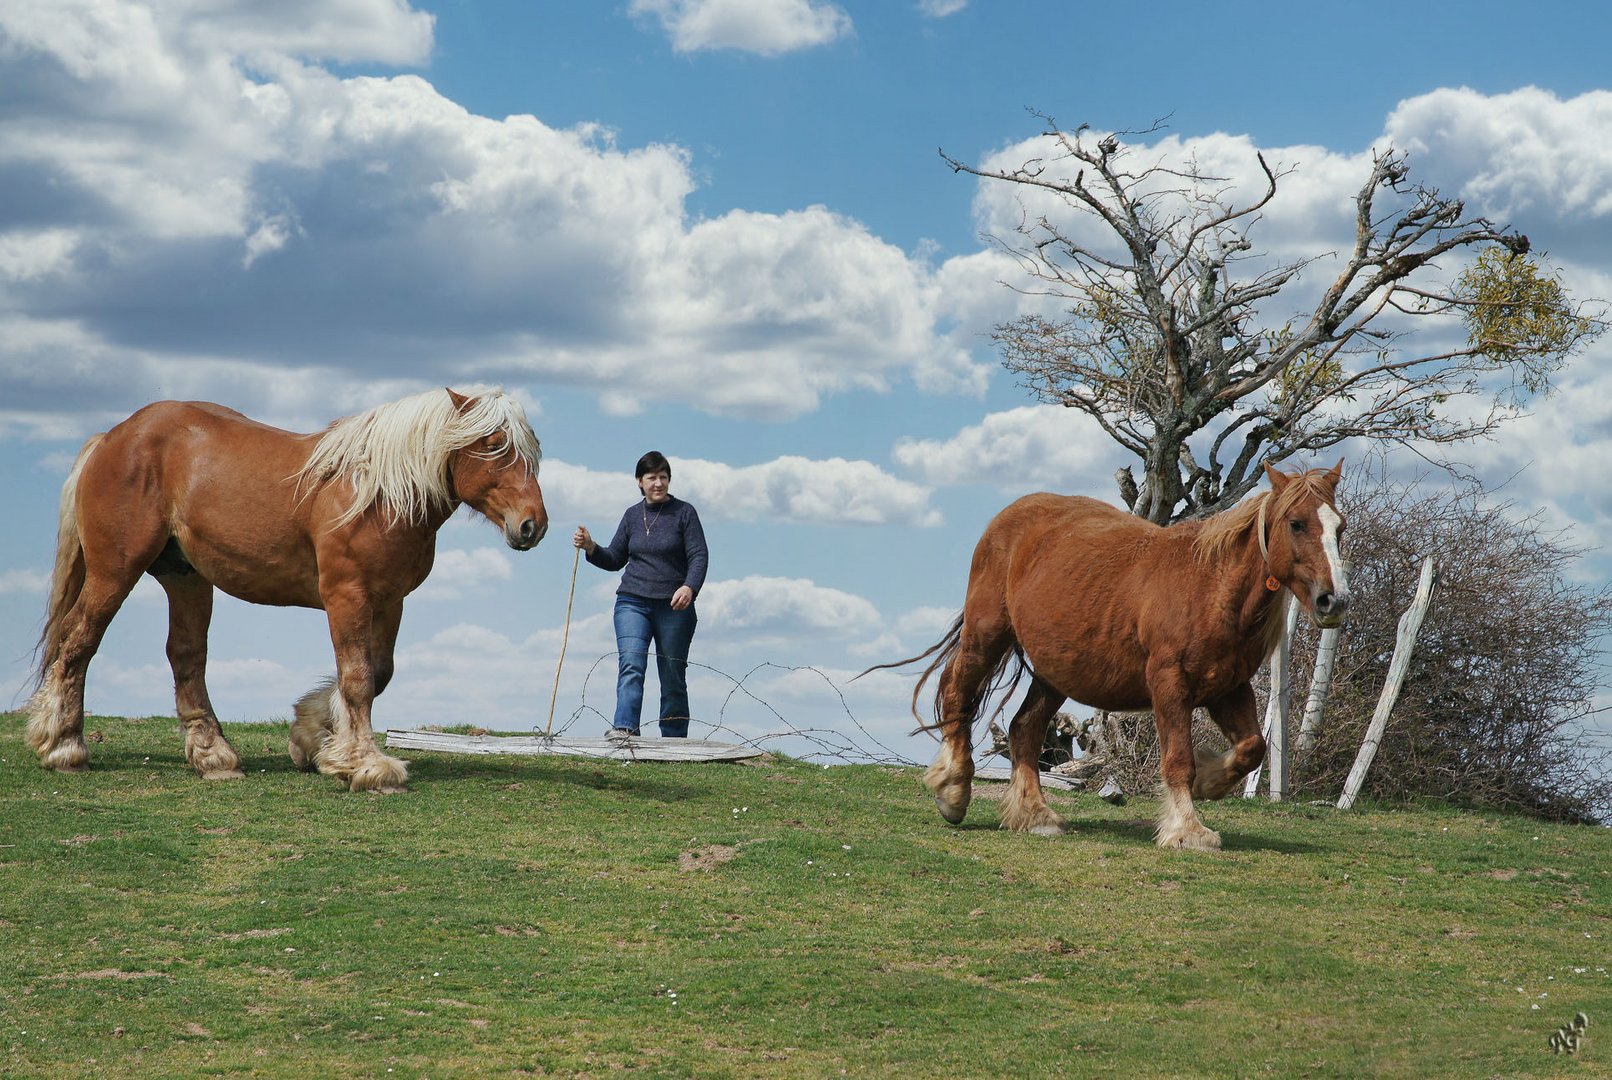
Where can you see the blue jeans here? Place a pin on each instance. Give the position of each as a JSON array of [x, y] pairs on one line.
[[640, 620]]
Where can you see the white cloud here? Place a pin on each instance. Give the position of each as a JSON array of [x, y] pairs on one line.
[[913, 632], [350, 225], [794, 489], [1527, 153], [759, 605], [939, 9], [822, 492], [926, 623], [1036, 446], [28, 255], [24, 582], [767, 27], [457, 572]]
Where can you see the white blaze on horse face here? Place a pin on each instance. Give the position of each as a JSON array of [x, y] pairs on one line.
[[1330, 523]]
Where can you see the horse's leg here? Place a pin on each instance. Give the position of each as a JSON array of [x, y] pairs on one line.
[[349, 752], [1179, 825], [313, 723], [1025, 809], [1235, 714], [56, 711], [962, 686], [190, 612], [383, 642]]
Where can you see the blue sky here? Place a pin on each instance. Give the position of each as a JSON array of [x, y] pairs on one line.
[[719, 228]]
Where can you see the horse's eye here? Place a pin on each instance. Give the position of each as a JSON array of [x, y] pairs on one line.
[[495, 443], [1297, 525]]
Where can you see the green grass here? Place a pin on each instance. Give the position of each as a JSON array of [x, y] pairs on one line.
[[519, 916]]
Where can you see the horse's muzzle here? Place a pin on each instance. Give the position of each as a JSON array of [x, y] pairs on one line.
[[524, 537], [1330, 608]]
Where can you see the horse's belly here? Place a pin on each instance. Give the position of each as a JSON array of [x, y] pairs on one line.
[[271, 594], [1090, 679], [1094, 662], [257, 579]]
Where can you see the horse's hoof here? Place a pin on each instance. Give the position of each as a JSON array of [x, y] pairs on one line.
[[71, 757], [304, 757], [953, 812], [1047, 830], [1195, 839], [397, 790], [223, 774], [380, 773]]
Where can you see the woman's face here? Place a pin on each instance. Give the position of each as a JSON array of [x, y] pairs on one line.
[[656, 487]]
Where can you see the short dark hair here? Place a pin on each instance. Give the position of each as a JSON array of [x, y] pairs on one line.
[[652, 462]]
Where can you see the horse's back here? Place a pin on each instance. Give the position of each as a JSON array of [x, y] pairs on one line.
[[1075, 576], [219, 485], [162, 418], [1071, 528], [171, 451]]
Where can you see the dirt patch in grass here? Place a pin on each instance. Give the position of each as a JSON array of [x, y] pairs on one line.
[[245, 935], [706, 857]]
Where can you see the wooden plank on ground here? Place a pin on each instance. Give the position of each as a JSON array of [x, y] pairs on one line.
[[638, 749]]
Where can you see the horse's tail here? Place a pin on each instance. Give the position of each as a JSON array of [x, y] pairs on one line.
[[942, 651], [67, 580]]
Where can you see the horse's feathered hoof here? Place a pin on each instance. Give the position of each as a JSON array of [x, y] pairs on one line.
[[303, 757], [382, 774], [67, 756], [953, 810], [1190, 838]]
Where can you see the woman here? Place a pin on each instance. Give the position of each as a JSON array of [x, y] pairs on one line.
[[662, 546]]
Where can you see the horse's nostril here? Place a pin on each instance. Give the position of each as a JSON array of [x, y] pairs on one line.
[[528, 530]]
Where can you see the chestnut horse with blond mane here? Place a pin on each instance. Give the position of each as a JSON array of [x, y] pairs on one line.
[[199, 496], [1120, 614]]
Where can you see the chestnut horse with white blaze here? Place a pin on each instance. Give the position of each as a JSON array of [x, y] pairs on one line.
[[199, 496], [1120, 614]]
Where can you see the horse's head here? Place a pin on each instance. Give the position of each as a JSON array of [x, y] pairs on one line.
[[496, 473], [1301, 527]]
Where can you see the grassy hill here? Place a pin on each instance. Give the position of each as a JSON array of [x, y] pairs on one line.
[[521, 917]]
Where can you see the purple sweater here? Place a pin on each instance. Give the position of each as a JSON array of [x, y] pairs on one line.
[[663, 549]]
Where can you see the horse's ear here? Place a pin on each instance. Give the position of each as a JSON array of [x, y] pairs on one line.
[[1335, 475], [1278, 479], [459, 400]]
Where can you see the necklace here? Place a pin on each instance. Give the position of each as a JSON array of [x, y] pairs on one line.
[[648, 521]]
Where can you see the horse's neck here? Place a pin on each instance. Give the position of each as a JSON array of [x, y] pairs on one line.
[[1245, 575], [437, 516]]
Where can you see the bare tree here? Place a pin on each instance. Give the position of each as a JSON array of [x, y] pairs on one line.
[[1163, 345]]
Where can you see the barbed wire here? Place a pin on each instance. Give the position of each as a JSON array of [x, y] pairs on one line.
[[829, 744]]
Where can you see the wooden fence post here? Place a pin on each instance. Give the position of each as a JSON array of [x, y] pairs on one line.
[[1326, 655], [1277, 711], [1409, 624]]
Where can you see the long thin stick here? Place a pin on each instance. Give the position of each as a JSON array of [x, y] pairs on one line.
[[565, 637]]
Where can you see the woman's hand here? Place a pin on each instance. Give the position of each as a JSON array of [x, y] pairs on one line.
[[682, 598], [584, 540]]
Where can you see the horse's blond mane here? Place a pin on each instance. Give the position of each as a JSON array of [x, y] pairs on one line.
[[395, 456], [1224, 529]]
